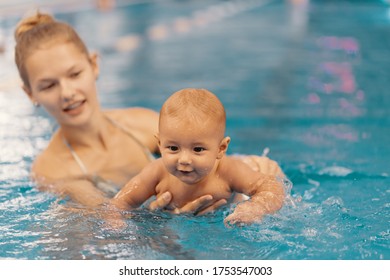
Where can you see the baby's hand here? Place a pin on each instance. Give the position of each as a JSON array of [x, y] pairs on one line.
[[115, 224], [245, 213]]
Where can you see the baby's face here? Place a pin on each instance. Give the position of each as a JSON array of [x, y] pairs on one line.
[[189, 150]]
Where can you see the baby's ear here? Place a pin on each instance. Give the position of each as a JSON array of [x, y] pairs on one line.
[[158, 142], [223, 146], [158, 139]]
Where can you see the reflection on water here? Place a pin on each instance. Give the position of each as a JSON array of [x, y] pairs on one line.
[[312, 226], [298, 78]]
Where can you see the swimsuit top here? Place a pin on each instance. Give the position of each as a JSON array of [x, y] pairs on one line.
[[108, 187]]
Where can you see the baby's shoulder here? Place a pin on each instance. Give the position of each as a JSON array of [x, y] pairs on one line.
[[155, 169], [233, 169], [228, 164]]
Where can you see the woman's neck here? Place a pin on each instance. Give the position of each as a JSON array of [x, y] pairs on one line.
[[92, 134]]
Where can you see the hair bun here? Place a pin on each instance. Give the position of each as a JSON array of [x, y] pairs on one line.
[[30, 22]]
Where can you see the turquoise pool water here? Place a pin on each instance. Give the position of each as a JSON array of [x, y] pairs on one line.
[[308, 81]]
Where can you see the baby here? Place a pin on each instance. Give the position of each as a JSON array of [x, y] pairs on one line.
[[193, 163]]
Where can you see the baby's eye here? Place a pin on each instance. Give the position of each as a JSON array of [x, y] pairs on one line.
[[199, 149], [173, 148]]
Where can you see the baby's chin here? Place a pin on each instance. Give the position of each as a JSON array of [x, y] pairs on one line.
[[188, 177]]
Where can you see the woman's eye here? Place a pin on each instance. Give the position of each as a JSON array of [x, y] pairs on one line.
[[199, 149], [173, 148], [47, 87], [75, 74]]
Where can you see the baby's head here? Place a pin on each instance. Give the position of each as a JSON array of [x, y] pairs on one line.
[[38, 32], [191, 134], [195, 108]]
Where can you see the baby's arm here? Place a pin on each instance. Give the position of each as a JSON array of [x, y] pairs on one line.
[[261, 164], [266, 192], [140, 187], [132, 195]]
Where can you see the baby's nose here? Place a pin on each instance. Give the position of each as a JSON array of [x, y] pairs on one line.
[[184, 158]]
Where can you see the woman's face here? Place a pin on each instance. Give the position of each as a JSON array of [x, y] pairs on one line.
[[63, 80]]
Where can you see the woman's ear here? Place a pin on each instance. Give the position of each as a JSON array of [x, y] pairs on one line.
[[223, 146], [94, 63], [28, 91]]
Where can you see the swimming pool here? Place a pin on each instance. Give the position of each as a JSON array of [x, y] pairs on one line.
[[309, 82]]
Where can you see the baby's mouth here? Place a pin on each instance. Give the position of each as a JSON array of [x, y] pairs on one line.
[[185, 172]]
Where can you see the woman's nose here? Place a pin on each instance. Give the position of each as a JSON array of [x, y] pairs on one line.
[[67, 91]]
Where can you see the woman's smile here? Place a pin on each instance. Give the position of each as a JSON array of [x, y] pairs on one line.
[[74, 108]]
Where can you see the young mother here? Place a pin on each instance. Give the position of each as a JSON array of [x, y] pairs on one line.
[[94, 152]]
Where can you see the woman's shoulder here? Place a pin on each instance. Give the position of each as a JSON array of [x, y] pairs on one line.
[[50, 162], [131, 112], [135, 118], [141, 122]]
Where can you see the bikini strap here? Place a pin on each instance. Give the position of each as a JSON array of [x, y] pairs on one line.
[[146, 151], [83, 168], [103, 185], [75, 156]]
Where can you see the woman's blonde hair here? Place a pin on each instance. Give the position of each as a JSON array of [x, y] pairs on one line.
[[33, 32]]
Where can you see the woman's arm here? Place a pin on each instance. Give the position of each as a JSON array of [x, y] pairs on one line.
[[80, 190], [49, 175]]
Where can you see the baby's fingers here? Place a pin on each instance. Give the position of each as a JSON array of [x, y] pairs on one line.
[[241, 219], [161, 202], [232, 220]]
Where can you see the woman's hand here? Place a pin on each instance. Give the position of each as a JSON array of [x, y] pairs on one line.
[[199, 206]]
